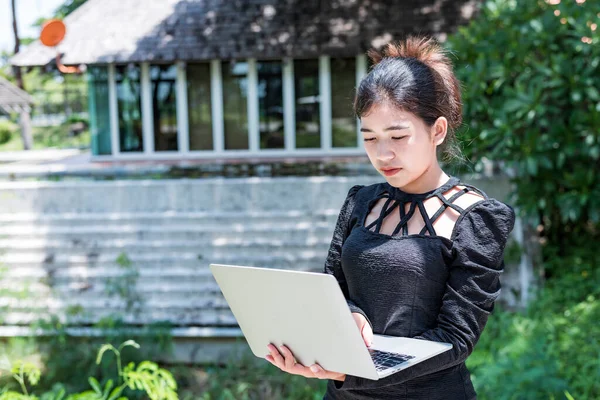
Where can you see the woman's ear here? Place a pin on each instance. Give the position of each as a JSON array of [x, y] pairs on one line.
[[439, 131]]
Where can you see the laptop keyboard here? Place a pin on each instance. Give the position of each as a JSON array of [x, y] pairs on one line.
[[384, 360]]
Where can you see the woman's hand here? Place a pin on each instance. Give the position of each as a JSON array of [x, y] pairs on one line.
[[364, 327], [286, 362]]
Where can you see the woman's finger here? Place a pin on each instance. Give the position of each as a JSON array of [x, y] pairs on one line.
[[289, 359], [364, 328], [318, 372], [277, 357], [296, 369], [321, 373], [367, 334], [299, 369]]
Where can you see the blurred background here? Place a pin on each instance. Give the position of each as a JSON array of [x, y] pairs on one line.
[[160, 136]]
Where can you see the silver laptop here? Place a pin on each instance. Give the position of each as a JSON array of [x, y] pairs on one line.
[[307, 312]]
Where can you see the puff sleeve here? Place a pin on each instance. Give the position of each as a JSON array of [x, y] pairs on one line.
[[333, 264], [479, 238]]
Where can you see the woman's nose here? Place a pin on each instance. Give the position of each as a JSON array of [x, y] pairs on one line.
[[384, 153]]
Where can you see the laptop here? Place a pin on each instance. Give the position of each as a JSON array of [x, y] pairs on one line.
[[307, 312]]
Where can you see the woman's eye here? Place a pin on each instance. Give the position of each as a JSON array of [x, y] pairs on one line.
[[399, 137], [368, 139]]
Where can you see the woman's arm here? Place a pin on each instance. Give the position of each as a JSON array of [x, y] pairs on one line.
[[333, 262], [472, 287]]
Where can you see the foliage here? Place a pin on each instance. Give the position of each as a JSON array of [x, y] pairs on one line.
[[245, 378], [531, 73], [68, 7], [7, 131], [50, 137], [125, 285], [70, 360], [147, 377], [62, 11], [557, 341]]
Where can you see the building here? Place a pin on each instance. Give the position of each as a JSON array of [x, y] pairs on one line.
[[177, 79], [215, 80], [15, 100]]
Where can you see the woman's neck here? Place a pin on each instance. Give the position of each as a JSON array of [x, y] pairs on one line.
[[431, 179]]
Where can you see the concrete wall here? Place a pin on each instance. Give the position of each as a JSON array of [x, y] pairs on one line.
[[141, 249]]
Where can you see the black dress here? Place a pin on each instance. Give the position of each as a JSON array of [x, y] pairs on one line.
[[420, 285]]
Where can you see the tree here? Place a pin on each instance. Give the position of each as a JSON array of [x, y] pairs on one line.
[[24, 118], [67, 8], [16, 69], [530, 71], [61, 12]]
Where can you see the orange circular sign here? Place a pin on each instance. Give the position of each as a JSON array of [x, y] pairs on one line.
[[53, 32]]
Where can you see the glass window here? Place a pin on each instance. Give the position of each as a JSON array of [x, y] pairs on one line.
[[129, 107], [163, 81], [99, 110], [306, 88], [235, 106], [343, 83], [270, 104], [199, 106]]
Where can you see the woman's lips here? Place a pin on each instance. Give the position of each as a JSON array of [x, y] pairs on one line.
[[390, 172]]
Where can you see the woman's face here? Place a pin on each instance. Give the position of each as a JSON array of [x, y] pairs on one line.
[[401, 142]]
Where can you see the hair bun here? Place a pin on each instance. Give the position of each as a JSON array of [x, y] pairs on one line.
[[425, 49]]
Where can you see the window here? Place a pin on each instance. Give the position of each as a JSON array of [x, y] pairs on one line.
[[163, 80], [235, 106], [270, 104], [306, 88], [199, 106], [129, 107], [343, 121], [99, 110]]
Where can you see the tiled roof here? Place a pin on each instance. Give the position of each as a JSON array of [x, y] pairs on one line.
[[107, 31], [13, 98]]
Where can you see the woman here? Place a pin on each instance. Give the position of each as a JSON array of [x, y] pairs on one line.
[[419, 255]]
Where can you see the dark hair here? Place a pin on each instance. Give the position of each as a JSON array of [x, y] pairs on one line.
[[414, 75]]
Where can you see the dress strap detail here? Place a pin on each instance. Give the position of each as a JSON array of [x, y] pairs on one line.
[[395, 197]]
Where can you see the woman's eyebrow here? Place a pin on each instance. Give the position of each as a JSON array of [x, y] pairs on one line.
[[389, 128]]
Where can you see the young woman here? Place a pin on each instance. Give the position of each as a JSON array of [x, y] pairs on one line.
[[419, 255]]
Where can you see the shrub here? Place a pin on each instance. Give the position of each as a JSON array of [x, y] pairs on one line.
[[7, 130], [157, 383], [530, 72], [551, 349], [531, 102]]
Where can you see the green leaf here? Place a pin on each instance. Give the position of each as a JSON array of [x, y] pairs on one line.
[[103, 349], [568, 396], [532, 166], [130, 343], [107, 387], [512, 105], [116, 392], [95, 385]]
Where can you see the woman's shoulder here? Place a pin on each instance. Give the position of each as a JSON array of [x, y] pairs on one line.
[[481, 214], [366, 190], [473, 197]]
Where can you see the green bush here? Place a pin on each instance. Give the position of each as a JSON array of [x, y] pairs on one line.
[[7, 130], [553, 347], [250, 378], [71, 360], [74, 118], [145, 377], [531, 75], [531, 83]]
